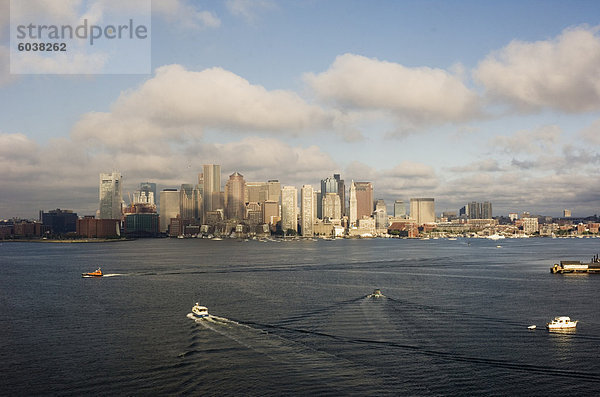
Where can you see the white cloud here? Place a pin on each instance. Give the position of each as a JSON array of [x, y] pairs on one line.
[[185, 15], [249, 9], [591, 134], [178, 103], [416, 95], [562, 73], [537, 141]]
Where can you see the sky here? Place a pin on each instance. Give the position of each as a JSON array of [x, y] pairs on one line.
[[456, 100]]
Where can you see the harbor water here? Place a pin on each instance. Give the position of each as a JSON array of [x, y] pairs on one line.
[[294, 318]]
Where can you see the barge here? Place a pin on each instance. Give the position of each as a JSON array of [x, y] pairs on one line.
[[577, 266]]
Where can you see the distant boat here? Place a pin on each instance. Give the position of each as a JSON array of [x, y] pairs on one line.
[[199, 311], [532, 327], [562, 322], [376, 294], [95, 273], [496, 237]]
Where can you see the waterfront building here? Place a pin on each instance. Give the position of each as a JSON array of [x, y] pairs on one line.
[[332, 207], [110, 196], [289, 209], [364, 199], [190, 203], [422, 210], [307, 210], [530, 225], [91, 227], [141, 225], [235, 198], [169, 207], [399, 209], [59, 221], [211, 181]]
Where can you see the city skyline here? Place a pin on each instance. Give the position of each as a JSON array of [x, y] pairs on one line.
[[462, 102]]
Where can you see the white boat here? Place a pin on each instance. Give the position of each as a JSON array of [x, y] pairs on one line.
[[199, 311], [496, 237], [532, 327], [562, 322]]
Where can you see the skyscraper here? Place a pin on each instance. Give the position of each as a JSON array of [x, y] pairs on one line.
[[352, 205], [274, 190], [341, 192], [190, 202], [399, 209], [381, 217], [169, 207], [307, 210], [422, 210], [257, 192], [110, 196], [332, 208], [289, 211], [364, 199], [235, 197], [211, 179]]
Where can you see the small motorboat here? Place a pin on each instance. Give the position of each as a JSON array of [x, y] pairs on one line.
[[532, 327], [95, 273], [376, 294], [199, 311], [562, 322]]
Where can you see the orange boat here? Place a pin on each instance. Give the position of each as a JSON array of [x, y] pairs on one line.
[[96, 273]]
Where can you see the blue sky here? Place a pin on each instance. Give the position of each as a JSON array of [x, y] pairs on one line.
[[456, 100]]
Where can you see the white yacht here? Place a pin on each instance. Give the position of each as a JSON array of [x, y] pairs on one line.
[[562, 322], [199, 311]]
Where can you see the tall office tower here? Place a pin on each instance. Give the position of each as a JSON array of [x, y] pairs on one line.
[[169, 207], [332, 208], [235, 196], [289, 211], [341, 192], [566, 213], [399, 209], [486, 210], [190, 202], [319, 204], [352, 205], [257, 192], [211, 192], [110, 196], [381, 217], [422, 210], [307, 210], [364, 199], [329, 185], [274, 190]]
